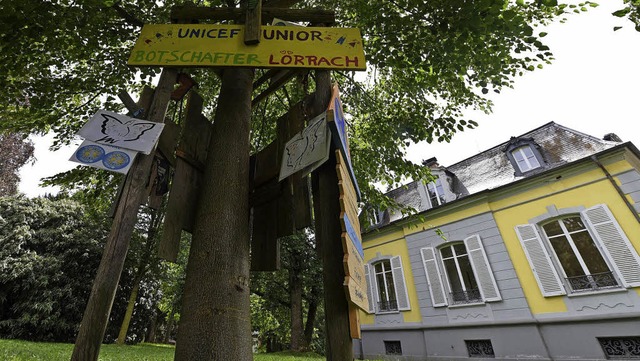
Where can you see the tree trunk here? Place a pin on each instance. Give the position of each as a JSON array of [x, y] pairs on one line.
[[215, 319], [295, 299], [96, 314], [326, 207], [311, 316], [151, 331], [122, 336], [170, 321]]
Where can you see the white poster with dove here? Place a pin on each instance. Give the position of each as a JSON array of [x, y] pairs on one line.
[[307, 149], [121, 131]]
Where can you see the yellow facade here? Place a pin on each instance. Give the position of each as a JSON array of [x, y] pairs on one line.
[[584, 185]]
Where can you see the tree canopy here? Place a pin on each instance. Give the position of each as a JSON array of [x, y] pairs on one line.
[[428, 62]]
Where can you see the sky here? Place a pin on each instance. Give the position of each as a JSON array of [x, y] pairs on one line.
[[592, 87]]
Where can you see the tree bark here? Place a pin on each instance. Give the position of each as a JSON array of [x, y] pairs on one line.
[[326, 207], [311, 316], [96, 314], [122, 335], [215, 319], [295, 297]]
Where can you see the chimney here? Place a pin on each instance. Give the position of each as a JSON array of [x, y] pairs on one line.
[[612, 137], [430, 162]]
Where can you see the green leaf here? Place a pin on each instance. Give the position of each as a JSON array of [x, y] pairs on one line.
[[621, 13]]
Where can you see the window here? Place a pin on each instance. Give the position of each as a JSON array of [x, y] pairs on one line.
[[591, 250], [436, 193], [393, 348], [386, 287], [524, 155], [480, 348], [457, 266], [525, 158], [583, 265], [461, 275], [617, 348]]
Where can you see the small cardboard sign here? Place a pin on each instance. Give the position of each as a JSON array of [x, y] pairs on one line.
[[121, 131], [306, 150], [104, 157]]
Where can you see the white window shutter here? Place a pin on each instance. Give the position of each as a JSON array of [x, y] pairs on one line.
[[370, 294], [543, 270], [480, 264], [434, 278], [615, 244], [402, 296]]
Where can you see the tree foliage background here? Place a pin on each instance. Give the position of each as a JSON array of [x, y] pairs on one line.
[[62, 60], [15, 151]]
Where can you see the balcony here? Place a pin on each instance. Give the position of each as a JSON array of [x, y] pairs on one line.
[[464, 297], [594, 282], [386, 306]]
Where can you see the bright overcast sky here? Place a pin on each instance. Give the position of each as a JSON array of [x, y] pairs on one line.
[[592, 87]]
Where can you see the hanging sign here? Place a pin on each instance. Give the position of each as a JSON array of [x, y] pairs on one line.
[[338, 125], [308, 149], [354, 283], [104, 157], [204, 45], [121, 131]]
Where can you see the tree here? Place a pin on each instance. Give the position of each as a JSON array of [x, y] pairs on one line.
[[429, 60], [15, 151], [631, 11], [48, 248]]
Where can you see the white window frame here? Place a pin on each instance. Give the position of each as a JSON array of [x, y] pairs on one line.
[[607, 235], [526, 159], [399, 285], [568, 235], [436, 273], [455, 258], [437, 182]]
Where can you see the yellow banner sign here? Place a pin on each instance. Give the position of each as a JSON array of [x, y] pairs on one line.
[[202, 45]]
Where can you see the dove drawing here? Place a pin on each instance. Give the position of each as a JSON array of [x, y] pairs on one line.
[[127, 131], [122, 131]]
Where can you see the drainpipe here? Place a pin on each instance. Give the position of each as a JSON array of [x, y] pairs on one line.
[[617, 188]]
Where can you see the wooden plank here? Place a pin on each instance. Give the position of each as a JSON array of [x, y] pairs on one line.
[[96, 313], [168, 141], [356, 293], [265, 246], [266, 165], [354, 322], [275, 85], [349, 247], [253, 22], [183, 198], [354, 268], [179, 13]]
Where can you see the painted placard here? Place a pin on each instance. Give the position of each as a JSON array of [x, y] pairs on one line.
[[307, 149], [354, 269], [351, 232], [338, 125], [121, 131], [357, 294], [205, 45], [104, 157]]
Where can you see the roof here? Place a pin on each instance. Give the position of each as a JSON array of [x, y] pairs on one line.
[[557, 145]]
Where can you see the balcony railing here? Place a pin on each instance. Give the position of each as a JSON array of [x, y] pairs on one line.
[[391, 305], [468, 296], [594, 282]]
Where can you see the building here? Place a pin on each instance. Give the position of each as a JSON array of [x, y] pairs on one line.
[[528, 250]]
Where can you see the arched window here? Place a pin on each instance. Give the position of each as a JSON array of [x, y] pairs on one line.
[[581, 261], [463, 286]]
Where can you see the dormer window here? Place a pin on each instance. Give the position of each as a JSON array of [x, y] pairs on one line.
[[436, 193], [524, 155], [525, 158]]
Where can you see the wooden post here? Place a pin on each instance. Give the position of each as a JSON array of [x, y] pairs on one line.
[[215, 319], [96, 314], [183, 198], [326, 205]]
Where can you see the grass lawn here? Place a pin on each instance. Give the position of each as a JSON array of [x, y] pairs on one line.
[[16, 350]]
